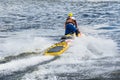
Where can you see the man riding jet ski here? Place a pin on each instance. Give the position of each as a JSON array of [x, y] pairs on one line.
[[71, 26]]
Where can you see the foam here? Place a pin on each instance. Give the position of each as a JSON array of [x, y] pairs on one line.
[[98, 46], [81, 52], [87, 48], [20, 65], [24, 41]]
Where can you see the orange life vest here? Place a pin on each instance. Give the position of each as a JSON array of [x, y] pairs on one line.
[[70, 20]]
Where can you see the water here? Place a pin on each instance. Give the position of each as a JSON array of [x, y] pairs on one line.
[[28, 27]]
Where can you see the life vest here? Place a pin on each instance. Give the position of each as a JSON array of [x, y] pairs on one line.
[[70, 20]]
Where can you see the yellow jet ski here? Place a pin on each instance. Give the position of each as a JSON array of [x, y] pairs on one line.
[[60, 47]]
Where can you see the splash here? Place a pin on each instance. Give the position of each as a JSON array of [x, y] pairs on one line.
[[94, 47], [86, 48], [23, 41], [22, 64]]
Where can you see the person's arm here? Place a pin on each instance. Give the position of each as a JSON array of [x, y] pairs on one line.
[[65, 25], [77, 27], [76, 23]]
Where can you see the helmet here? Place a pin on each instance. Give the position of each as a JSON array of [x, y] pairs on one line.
[[70, 14]]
